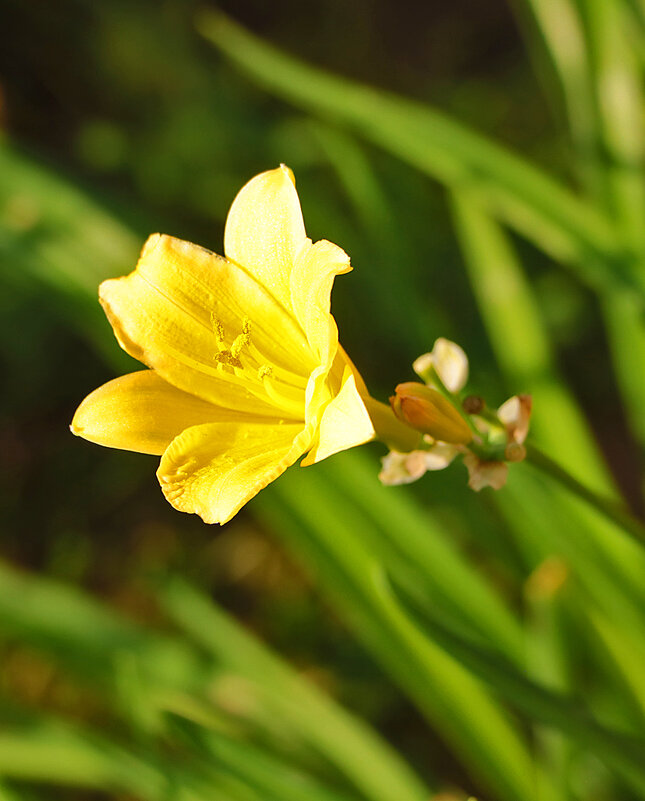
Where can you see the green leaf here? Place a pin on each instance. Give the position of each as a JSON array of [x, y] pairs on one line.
[[346, 742], [550, 215], [319, 525]]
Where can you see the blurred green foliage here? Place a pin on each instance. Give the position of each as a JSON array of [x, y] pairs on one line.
[[482, 163]]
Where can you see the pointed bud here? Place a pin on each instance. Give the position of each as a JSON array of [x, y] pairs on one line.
[[448, 361], [426, 410]]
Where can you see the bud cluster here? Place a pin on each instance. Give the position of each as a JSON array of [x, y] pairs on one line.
[[453, 423]]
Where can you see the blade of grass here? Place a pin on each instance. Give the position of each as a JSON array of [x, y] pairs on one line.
[[268, 776], [548, 665], [562, 39], [91, 640], [616, 79], [318, 525], [425, 546], [608, 149], [56, 753], [522, 349], [56, 234], [345, 741], [554, 218], [380, 226], [621, 751], [604, 561], [617, 86]]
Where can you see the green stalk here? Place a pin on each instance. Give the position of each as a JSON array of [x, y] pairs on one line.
[[607, 507]]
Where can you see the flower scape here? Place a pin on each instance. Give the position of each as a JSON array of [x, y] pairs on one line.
[[246, 374]]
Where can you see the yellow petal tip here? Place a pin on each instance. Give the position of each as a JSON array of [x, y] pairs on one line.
[[288, 171]]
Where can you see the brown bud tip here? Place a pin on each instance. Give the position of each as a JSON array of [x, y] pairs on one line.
[[473, 404], [426, 410], [515, 452]]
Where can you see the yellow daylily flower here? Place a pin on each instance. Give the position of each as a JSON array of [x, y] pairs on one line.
[[246, 373]]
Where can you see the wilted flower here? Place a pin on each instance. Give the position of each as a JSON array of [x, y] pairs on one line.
[[404, 468]]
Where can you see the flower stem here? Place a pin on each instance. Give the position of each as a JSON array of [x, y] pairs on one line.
[[389, 429], [608, 507]]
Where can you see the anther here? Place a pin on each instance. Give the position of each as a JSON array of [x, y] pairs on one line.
[[218, 328]]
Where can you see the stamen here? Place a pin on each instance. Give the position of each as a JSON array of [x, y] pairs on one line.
[[228, 357], [265, 371], [241, 340], [218, 329]]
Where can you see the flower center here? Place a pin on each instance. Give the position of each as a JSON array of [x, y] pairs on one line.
[[242, 358]]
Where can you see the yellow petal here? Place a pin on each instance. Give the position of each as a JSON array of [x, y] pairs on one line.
[[344, 424], [139, 412], [311, 284], [214, 469], [181, 311], [265, 232], [343, 358]]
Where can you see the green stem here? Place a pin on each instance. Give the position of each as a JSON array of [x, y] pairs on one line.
[[607, 507], [389, 429]]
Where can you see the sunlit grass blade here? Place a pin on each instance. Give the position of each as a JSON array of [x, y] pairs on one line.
[[380, 228], [591, 45], [595, 590], [617, 84], [515, 328], [88, 638], [626, 655], [97, 644], [50, 752], [349, 570], [620, 750], [11, 794], [554, 218], [522, 349], [56, 234], [269, 777], [343, 740], [607, 563], [615, 75], [558, 33], [549, 664], [425, 547], [318, 525]]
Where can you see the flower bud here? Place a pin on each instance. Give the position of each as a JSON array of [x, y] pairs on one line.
[[426, 410], [448, 361]]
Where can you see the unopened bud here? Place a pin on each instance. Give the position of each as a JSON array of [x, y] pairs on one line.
[[426, 410], [448, 361], [473, 404]]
